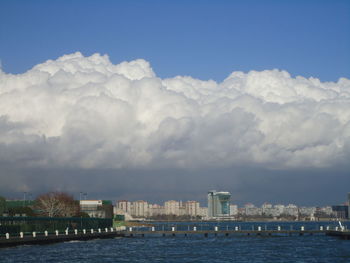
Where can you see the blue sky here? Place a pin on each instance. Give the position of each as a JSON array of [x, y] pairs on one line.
[[203, 39]]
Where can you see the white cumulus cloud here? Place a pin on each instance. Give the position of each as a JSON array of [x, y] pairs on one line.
[[85, 112]]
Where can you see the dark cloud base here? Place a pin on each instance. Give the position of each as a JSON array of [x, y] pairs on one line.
[[256, 185]]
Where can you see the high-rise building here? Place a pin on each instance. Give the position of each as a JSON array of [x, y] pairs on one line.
[[192, 208], [172, 207], [155, 210], [233, 210], [218, 204], [139, 208], [124, 205]]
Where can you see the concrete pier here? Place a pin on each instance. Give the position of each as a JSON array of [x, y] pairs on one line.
[[42, 239], [206, 233]]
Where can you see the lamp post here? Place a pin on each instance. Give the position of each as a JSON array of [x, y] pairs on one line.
[[81, 217], [24, 199]]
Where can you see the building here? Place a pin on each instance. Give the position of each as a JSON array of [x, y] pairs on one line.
[[124, 205], [192, 208], [156, 210], [203, 212], [233, 210], [307, 211], [172, 207], [269, 210], [140, 209], [218, 204], [97, 208], [291, 210], [341, 211], [252, 210]]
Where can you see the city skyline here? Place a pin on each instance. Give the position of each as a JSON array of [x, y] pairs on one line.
[[127, 101], [83, 196]]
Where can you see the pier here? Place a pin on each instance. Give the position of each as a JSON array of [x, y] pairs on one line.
[[42, 238], [223, 231], [35, 238], [207, 233]]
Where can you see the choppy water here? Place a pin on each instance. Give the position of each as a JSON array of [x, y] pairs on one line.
[[193, 248]]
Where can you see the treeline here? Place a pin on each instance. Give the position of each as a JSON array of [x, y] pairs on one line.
[[52, 204]]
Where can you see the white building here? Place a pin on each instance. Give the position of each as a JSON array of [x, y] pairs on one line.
[[279, 209], [192, 208], [172, 207], [155, 210], [124, 205], [233, 210], [291, 210], [307, 211], [140, 209], [252, 210]]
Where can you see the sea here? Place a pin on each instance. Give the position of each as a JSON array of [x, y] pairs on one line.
[[316, 248]]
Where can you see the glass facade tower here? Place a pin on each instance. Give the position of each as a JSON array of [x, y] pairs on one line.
[[218, 204]]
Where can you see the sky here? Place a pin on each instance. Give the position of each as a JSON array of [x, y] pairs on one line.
[[160, 100]]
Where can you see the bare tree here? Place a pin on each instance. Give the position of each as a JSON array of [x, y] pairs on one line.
[[57, 204]]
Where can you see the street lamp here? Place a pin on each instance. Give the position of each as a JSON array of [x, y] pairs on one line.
[[24, 198]]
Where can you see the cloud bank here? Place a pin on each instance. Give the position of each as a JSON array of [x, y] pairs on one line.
[[85, 112]]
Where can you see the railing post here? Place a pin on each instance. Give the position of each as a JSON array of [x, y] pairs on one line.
[[46, 233], [321, 228], [76, 231], [21, 234], [7, 235], [34, 234], [92, 231], [66, 231], [194, 228], [84, 231], [302, 228], [111, 229], [106, 229], [99, 230], [279, 228], [259, 228], [216, 228], [236, 228], [56, 232]]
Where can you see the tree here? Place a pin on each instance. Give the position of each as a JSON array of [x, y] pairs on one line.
[[21, 210], [57, 204], [2, 205]]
